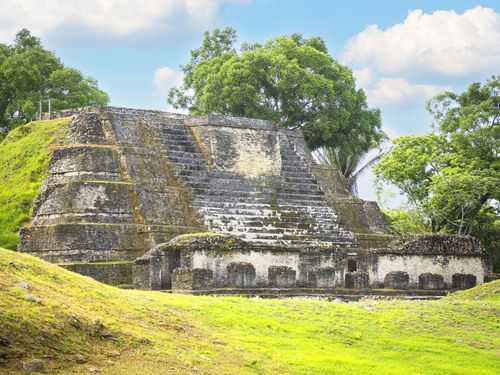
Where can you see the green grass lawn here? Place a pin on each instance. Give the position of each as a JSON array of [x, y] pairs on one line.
[[24, 159], [159, 333]]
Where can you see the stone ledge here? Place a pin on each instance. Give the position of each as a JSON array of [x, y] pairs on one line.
[[111, 273], [434, 244], [232, 122]]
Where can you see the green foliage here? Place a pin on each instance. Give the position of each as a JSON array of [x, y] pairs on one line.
[[453, 172], [407, 221], [290, 80], [24, 160], [29, 73], [231, 335], [487, 229]]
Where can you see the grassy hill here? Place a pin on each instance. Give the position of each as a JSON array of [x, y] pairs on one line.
[[24, 158], [160, 333]]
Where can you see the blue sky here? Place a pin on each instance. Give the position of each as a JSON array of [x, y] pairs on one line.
[[401, 52]]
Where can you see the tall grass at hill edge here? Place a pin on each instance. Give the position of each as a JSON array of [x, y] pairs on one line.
[[24, 159], [159, 333]]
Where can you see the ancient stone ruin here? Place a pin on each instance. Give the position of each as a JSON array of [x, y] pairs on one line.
[[126, 182], [425, 262]]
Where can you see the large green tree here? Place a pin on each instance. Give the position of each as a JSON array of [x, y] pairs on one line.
[[290, 80], [453, 173], [29, 73]]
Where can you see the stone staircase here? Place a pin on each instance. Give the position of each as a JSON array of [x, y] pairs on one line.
[[286, 209]]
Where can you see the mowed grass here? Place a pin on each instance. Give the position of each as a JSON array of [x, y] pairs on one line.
[[24, 159], [159, 333]]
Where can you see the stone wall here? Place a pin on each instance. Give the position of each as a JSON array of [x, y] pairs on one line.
[[220, 253], [236, 263], [243, 146], [441, 254], [125, 181]]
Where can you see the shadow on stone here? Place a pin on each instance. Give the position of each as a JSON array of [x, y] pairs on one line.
[[397, 280], [463, 281], [241, 274], [281, 276], [357, 280], [192, 279]]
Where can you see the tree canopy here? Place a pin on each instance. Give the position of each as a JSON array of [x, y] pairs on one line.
[[453, 173], [29, 73], [290, 80]]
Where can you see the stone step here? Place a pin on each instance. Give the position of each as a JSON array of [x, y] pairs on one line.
[[193, 168], [288, 231], [279, 198], [174, 130], [204, 204], [184, 151], [194, 174], [252, 197], [318, 213], [256, 224], [299, 218], [274, 227], [291, 239], [169, 143], [187, 148], [302, 221], [258, 199], [186, 161], [305, 187], [296, 174]]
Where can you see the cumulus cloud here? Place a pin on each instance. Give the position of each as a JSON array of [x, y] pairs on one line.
[[441, 43], [400, 91], [165, 78], [131, 23], [397, 91]]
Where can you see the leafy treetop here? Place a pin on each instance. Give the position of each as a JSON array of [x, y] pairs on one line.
[[290, 80], [453, 173], [29, 73]]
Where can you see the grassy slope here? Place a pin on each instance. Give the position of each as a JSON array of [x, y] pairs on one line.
[[24, 157], [163, 333]]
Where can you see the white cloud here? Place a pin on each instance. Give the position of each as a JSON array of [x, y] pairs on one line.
[[400, 91], [165, 78], [442, 43], [104, 22], [395, 91], [364, 77]]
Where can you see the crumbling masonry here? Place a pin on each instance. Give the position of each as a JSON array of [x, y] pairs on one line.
[[127, 181]]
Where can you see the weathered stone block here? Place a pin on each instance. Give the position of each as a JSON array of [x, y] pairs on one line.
[[397, 280], [430, 281], [35, 365], [357, 280], [491, 277], [463, 281], [153, 271], [322, 277], [141, 274], [281, 276], [112, 273], [241, 275], [192, 279], [126, 180]]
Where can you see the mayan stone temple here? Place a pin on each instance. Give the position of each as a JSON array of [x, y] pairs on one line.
[[205, 203]]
